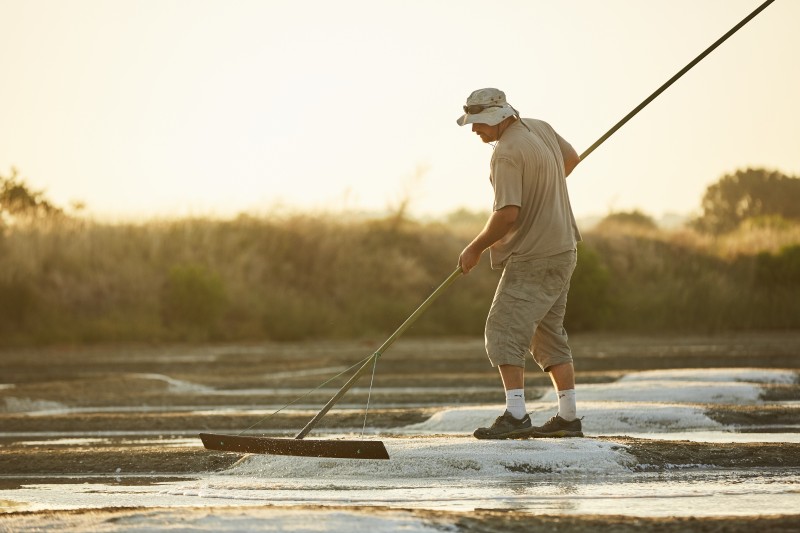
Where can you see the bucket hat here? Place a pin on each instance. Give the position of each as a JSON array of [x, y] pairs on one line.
[[486, 106]]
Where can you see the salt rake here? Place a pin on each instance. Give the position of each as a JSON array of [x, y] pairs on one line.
[[334, 448]]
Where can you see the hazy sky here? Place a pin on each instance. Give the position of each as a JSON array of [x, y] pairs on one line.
[[168, 108]]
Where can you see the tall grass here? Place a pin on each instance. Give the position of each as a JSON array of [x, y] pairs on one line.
[[324, 276], [685, 281], [250, 278]]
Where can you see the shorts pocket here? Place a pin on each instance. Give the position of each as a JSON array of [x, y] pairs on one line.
[[538, 279], [523, 281]]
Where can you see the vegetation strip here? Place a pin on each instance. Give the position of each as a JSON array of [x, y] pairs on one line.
[[68, 279]]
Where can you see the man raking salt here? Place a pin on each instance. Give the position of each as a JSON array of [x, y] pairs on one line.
[[532, 236]]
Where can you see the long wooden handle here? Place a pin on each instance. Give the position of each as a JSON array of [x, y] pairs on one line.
[[674, 78], [403, 327]]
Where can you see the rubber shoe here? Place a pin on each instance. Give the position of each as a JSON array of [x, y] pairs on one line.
[[506, 427], [558, 427]]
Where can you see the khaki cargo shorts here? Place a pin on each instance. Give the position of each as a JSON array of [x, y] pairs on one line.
[[527, 313]]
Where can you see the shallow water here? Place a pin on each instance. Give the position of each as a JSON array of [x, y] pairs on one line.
[[676, 493], [681, 493], [436, 465], [444, 473]]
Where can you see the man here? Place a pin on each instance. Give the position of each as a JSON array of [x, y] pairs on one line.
[[532, 236]]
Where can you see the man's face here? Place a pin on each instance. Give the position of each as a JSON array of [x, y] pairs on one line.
[[487, 133]]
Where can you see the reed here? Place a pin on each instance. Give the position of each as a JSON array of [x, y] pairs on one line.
[[325, 276]]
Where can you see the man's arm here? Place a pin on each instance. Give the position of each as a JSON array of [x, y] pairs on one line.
[[571, 157], [499, 223]]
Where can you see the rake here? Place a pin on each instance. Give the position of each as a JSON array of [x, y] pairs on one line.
[[340, 449]]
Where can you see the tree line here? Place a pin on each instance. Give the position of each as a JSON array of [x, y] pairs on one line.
[[746, 194]]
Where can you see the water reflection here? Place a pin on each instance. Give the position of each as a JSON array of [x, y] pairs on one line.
[[699, 493]]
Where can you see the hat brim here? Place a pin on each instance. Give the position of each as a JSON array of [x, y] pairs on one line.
[[491, 116]]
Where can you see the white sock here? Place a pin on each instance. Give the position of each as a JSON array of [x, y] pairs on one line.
[[515, 403], [566, 404]]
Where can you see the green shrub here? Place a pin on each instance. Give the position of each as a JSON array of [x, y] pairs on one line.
[[632, 219], [193, 299], [18, 305], [780, 269], [589, 301]]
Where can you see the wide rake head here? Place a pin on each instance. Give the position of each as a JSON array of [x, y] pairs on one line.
[[337, 449]]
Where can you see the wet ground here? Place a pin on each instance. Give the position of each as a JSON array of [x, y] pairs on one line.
[[103, 421]]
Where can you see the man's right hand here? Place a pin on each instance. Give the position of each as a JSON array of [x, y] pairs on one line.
[[499, 224], [469, 258]]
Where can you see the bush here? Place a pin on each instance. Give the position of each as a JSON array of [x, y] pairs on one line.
[[193, 299], [781, 269], [18, 201], [632, 219], [754, 192], [589, 300], [18, 305]]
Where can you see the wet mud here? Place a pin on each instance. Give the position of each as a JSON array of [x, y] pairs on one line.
[[474, 522], [137, 405]]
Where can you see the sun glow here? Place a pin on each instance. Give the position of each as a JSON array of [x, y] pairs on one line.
[[175, 108]]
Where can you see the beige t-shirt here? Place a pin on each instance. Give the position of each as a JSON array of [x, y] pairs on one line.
[[527, 170]]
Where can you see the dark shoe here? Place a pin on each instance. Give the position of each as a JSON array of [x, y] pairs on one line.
[[506, 427], [558, 427]]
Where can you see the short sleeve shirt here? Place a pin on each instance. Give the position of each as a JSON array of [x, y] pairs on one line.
[[527, 170]]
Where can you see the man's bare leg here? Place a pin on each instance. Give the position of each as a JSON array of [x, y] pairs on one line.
[[513, 376], [562, 376]]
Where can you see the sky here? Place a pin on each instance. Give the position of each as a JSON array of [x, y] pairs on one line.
[[169, 108]]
